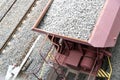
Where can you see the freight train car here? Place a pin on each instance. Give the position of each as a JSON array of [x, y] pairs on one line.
[[81, 31]]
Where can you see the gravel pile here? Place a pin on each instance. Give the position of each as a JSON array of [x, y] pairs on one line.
[[73, 18]]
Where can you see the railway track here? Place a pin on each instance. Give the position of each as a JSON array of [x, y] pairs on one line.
[[12, 35], [3, 15], [21, 39]]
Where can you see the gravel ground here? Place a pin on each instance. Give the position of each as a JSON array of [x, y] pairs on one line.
[[20, 44], [116, 60], [38, 60], [4, 6], [12, 18], [73, 18]]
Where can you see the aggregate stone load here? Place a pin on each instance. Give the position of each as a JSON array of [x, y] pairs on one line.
[[72, 18]]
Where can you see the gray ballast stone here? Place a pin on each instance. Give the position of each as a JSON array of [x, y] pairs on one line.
[[115, 61], [4, 7], [12, 18], [72, 18], [20, 45]]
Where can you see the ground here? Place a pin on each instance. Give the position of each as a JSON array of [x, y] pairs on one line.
[[23, 37], [13, 17]]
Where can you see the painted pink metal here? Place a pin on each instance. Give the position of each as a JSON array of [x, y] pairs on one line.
[[88, 60], [74, 58], [107, 27]]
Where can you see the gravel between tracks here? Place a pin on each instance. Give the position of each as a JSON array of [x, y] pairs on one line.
[[4, 6], [20, 45], [38, 61], [13, 17], [72, 18], [115, 60]]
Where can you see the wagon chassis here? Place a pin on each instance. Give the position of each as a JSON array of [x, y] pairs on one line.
[[96, 52]]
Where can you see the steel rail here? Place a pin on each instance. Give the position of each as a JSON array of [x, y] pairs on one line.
[[8, 10], [42, 14], [18, 25]]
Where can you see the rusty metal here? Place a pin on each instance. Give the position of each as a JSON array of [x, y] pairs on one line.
[[44, 58], [41, 46], [42, 64], [55, 43], [42, 14]]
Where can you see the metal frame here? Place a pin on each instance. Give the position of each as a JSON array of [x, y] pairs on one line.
[[105, 74], [50, 56], [104, 34], [106, 29]]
